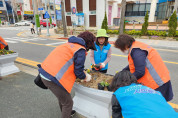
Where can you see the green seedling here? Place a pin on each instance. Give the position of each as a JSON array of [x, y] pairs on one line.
[[106, 84], [102, 83], [88, 71]]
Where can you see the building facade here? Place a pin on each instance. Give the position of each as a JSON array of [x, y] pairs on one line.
[[3, 11], [91, 12]]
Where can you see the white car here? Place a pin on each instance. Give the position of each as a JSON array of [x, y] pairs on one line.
[[22, 23]]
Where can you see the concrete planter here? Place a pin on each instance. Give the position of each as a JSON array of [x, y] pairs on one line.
[[92, 103], [7, 65]]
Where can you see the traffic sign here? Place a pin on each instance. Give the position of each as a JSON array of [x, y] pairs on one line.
[[46, 15], [40, 9]]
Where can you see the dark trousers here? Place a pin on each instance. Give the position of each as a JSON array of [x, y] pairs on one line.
[[32, 30], [64, 98]]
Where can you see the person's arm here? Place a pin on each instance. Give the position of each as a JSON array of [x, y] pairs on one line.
[[108, 56], [79, 60], [92, 57], [116, 108], [139, 59], [7, 47]]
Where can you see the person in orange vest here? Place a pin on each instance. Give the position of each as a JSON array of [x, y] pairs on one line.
[[63, 65], [146, 64], [3, 44]]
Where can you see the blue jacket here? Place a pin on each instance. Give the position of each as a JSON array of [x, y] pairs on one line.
[[79, 60], [101, 55], [138, 101]]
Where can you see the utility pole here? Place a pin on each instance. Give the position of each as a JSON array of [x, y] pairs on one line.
[[123, 4], [36, 15], [49, 11], [63, 19], [47, 19]]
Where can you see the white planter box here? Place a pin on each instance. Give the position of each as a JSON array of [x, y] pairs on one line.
[[7, 65], [92, 103]]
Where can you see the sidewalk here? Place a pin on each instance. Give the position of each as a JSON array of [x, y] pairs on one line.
[[165, 44], [21, 98]]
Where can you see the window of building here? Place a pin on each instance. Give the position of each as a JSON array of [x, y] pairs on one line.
[[92, 5], [79, 5], [67, 6], [137, 9], [1, 4]]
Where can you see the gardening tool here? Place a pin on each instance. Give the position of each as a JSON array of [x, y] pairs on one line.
[[96, 66]]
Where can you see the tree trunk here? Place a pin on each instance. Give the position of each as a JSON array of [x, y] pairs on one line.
[[63, 19], [123, 4]]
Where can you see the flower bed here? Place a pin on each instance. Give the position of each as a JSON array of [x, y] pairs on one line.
[[4, 52], [97, 78]]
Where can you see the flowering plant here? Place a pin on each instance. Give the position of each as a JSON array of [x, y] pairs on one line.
[[4, 52]]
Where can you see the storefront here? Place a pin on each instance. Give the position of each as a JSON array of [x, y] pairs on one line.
[[28, 15]]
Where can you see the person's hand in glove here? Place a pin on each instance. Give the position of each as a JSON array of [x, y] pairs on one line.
[[102, 65], [87, 79]]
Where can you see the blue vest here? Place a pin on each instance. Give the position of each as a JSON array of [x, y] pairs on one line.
[[101, 55], [138, 101]]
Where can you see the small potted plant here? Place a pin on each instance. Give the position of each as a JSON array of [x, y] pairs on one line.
[[101, 85], [7, 66], [107, 86]]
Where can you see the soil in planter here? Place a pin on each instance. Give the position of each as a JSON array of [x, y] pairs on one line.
[[97, 77]]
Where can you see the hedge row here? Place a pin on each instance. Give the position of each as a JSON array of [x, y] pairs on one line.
[[149, 33]]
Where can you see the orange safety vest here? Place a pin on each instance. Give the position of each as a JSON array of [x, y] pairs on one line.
[[60, 64], [3, 44], [156, 72]]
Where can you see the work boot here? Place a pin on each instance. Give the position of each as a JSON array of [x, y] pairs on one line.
[[73, 113]]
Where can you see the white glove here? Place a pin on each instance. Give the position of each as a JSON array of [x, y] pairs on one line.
[[88, 77], [103, 65]]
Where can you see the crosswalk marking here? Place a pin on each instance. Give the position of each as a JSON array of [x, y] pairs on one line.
[[21, 39], [33, 39], [8, 41]]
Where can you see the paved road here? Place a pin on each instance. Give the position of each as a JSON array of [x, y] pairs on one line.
[[36, 49]]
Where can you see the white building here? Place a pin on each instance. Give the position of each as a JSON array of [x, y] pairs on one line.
[[93, 10]]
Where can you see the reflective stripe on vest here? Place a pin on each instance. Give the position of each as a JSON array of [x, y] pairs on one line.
[[156, 72], [60, 64], [64, 69], [153, 73], [3, 43]]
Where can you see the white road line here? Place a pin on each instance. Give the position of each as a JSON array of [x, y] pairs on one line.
[[17, 39], [55, 43], [11, 41]]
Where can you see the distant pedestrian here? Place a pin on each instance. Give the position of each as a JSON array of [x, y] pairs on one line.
[[3, 44], [32, 28], [133, 100], [146, 65]]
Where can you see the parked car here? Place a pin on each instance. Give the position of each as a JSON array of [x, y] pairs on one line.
[[43, 23], [22, 23]]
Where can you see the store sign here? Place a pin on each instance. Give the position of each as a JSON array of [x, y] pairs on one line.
[[18, 12], [28, 12], [40, 9], [58, 7], [57, 2], [73, 10]]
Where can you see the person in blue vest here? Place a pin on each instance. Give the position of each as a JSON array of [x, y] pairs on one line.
[[133, 100], [102, 55]]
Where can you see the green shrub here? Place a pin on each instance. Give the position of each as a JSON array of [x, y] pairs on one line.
[[133, 32], [156, 33], [145, 25], [105, 23], [172, 24]]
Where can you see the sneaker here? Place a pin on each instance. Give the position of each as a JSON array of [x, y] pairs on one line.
[[73, 113]]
